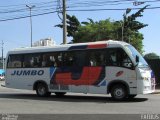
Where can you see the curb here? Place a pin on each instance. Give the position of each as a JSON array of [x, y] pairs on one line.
[[156, 92]]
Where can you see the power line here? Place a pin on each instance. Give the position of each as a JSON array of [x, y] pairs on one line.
[[3, 11], [108, 1], [9, 19], [48, 5], [111, 9], [44, 8], [40, 3], [91, 3], [70, 4], [59, 9], [80, 10], [98, 3]]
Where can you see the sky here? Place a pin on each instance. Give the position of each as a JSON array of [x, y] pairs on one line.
[[16, 33]]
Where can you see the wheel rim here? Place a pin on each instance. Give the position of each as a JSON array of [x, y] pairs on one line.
[[119, 93], [41, 90]]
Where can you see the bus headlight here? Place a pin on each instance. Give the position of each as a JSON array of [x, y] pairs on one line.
[[145, 78]]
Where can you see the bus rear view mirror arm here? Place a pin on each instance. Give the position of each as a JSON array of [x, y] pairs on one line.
[[137, 59]]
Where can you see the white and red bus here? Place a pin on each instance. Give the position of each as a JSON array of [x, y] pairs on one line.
[[104, 67]]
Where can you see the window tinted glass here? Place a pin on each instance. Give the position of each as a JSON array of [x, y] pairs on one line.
[[79, 58], [97, 57], [118, 57], [68, 58], [14, 61], [103, 57], [32, 60], [49, 59]]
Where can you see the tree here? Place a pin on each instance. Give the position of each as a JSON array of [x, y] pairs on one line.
[[132, 27], [72, 25], [106, 29], [87, 23], [150, 56], [95, 31]]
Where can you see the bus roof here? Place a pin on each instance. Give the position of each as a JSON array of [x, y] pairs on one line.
[[77, 46]]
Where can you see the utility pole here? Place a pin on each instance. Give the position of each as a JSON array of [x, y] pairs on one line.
[[64, 23], [122, 27], [30, 9], [2, 56]]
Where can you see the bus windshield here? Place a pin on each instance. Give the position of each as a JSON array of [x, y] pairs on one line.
[[134, 53]]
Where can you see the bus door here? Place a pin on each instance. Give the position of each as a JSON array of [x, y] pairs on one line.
[[79, 72], [96, 78], [71, 72]]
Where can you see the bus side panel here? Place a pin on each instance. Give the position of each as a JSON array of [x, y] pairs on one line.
[[120, 74], [84, 79], [99, 86], [69, 79], [26, 77]]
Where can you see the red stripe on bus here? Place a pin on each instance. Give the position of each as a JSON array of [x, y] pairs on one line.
[[97, 46], [85, 79]]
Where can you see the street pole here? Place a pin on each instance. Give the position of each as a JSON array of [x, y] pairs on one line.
[[122, 25], [64, 23], [2, 56], [30, 9], [122, 28]]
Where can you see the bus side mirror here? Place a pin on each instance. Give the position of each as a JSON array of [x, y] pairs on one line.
[[137, 59]]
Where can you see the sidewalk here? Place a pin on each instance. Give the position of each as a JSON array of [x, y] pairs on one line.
[[157, 90]]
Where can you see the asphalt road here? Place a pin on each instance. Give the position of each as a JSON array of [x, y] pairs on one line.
[[14, 102]]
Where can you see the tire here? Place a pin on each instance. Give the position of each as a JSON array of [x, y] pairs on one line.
[[60, 93], [42, 90], [119, 92], [48, 94], [131, 96]]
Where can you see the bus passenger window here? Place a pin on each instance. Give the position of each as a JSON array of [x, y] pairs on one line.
[[15, 61], [49, 59], [44, 61], [125, 60], [36, 62], [112, 58], [52, 61], [92, 59], [32, 60], [27, 61], [97, 58], [78, 59], [68, 59], [58, 60], [118, 57]]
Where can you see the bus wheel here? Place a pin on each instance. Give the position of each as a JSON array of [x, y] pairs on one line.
[[119, 92], [42, 90], [131, 96], [60, 93]]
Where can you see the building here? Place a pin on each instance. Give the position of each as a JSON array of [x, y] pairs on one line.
[[44, 42]]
